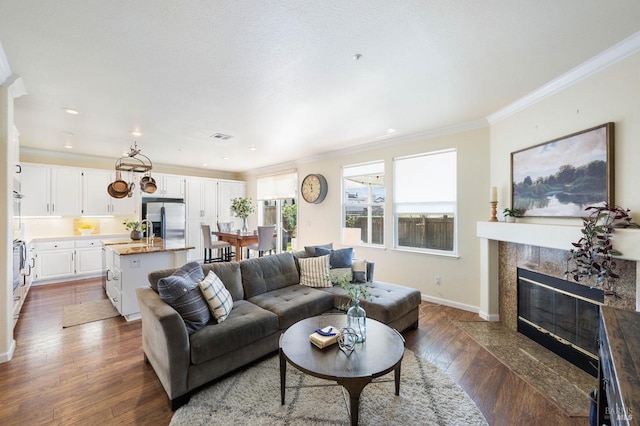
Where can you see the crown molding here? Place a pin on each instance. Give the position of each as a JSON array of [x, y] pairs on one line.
[[617, 52], [381, 142]]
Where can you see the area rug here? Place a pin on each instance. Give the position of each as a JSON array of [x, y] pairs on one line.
[[87, 312], [564, 384], [252, 397]]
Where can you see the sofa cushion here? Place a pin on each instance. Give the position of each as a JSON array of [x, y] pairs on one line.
[[267, 273], [359, 270], [387, 302], [340, 258], [217, 296], [229, 274], [246, 324], [314, 271], [293, 303], [182, 292], [311, 250]]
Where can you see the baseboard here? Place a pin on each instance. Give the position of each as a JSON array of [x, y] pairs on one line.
[[7, 356], [451, 304], [489, 317]]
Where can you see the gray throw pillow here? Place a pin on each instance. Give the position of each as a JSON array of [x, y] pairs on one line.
[[181, 290], [311, 250], [340, 258]]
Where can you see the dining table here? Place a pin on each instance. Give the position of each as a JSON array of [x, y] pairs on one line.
[[238, 239]]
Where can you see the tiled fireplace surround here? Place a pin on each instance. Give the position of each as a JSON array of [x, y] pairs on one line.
[[543, 248]]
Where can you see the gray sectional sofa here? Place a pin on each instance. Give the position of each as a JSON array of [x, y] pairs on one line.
[[267, 299]]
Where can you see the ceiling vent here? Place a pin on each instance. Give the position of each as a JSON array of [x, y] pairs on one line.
[[220, 136]]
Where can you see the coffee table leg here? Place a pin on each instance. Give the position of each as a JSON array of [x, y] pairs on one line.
[[397, 379], [354, 387], [283, 376]]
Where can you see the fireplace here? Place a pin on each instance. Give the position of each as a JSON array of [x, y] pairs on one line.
[[561, 315]]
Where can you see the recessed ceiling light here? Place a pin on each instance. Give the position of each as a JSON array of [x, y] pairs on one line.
[[390, 131], [71, 111], [68, 145], [225, 158], [136, 133], [204, 164], [252, 148], [357, 56], [220, 136]]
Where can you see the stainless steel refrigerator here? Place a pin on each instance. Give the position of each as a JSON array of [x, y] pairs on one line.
[[168, 218]]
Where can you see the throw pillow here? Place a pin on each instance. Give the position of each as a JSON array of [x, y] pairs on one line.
[[217, 296], [314, 271], [337, 274], [182, 292], [341, 258], [359, 270], [311, 250]]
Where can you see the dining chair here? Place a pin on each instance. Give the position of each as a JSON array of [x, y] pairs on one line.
[[209, 244], [266, 241], [224, 226]]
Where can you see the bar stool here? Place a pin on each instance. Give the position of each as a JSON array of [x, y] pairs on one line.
[[223, 247]]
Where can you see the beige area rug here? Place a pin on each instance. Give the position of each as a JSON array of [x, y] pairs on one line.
[[564, 384], [87, 312], [252, 397]]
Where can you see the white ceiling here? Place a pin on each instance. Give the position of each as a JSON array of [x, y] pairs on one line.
[[280, 75]]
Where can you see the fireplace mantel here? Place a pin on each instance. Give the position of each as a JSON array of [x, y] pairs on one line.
[[627, 241]]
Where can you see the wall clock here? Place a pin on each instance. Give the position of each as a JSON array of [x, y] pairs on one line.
[[314, 188]]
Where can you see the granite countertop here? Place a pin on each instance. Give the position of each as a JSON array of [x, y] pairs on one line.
[[126, 247]]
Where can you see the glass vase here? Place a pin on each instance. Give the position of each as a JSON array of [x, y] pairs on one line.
[[357, 320], [245, 225]]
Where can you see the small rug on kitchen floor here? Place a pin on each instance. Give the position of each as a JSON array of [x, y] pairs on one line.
[[87, 312], [561, 382], [252, 397]]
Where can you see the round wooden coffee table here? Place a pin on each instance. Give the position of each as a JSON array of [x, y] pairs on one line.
[[380, 354]]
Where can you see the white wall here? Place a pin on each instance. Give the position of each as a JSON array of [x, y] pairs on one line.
[[610, 95], [321, 223]]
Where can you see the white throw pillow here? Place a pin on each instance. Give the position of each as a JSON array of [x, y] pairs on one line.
[[217, 296], [314, 271]]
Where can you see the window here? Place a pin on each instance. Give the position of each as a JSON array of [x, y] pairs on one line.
[[425, 202], [363, 200]]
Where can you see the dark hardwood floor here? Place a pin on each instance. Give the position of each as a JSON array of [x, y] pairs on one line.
[[94, 374]]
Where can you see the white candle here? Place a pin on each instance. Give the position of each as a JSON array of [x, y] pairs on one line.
[[494, 194]]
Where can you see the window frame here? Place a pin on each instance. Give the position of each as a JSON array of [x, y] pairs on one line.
[[395, 204], [369, 205]]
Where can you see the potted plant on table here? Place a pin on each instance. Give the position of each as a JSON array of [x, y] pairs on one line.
[[356, 316], [243, 207], [136, 229]]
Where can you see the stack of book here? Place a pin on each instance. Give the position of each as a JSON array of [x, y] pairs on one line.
[[324, 337]]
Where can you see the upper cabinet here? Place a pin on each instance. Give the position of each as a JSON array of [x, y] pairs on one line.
[[97, 202], [201, 197], [169, 186], [51, 191], [227, 191]]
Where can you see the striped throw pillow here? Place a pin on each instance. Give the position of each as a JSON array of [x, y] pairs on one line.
[[217, 296], [314, 271]]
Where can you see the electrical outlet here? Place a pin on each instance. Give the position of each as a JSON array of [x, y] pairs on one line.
[[437, 280], [135, 263]]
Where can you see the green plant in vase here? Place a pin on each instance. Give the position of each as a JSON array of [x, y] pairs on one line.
[[242, 207], [136, 228], [356, 315]]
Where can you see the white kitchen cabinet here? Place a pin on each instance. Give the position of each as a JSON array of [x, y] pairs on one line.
[[54, 260], [201, 198], [88, 257], [227, 191], [195, 239], [169, 186], [127, 272], [21, 292], [51, 190], [97, 202]]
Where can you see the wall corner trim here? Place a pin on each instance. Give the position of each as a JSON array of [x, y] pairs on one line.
[[610, 56]]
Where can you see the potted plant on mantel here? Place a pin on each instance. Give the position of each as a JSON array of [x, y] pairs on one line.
[[511, 214], [593, 254], [242, 207]]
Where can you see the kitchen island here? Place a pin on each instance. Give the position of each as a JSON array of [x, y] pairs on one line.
[[128, 263]]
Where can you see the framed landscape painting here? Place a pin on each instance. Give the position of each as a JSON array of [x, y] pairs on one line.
[[562, 177]]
